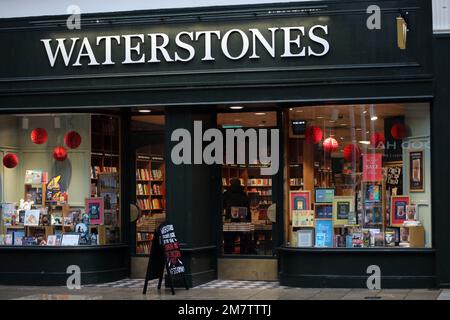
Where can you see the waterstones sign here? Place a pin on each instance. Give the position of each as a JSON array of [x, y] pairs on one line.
[[185, 46]]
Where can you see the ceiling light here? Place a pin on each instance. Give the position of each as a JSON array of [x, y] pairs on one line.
[[145, 111], [364, 142], [374, 118], [319, 117], [358, 129], [343, 124], [236, 107], [260, 113], [261, 125], [237, 120], [290, 109], [299, 111]]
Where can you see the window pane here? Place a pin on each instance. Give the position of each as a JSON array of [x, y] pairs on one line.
[[60, 179], [359, 176]]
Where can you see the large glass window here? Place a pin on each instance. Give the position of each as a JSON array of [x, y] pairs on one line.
[[359, 176], [60, 183]]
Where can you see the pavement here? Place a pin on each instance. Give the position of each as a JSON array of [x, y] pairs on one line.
[[217, 290]]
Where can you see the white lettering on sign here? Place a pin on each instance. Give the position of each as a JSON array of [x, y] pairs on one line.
[[234, 44]]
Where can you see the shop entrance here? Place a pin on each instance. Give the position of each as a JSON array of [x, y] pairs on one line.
[[148, 189], [248, 206]]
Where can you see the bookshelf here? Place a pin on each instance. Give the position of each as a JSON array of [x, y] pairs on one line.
[[105, 177], [150, 198]]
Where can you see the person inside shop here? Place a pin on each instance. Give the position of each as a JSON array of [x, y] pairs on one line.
[[236, 205]]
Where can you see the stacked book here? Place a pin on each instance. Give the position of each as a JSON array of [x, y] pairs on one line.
[[149, 224], [238, 227]]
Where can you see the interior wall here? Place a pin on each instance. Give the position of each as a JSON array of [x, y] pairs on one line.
[[9, 143], [75, 170], [417, 119]]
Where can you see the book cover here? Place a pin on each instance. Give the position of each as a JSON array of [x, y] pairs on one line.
[[357, 240], [8, 239], [373, 235], [70, 239], [305, 218], [389, 237], [51, 240], [305, 238], [58, 239], [56, 219], [379, 239], [29, 241], [324, 233], [7, 213], [33, 177], [17, 237], [32, 217], [366, 238]]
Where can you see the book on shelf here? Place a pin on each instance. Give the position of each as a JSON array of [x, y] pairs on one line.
[[18, 235], [8, 239], [143, 247], [156, 189], [295, 181], [7, 213], [109, 169], [33, 177], [142, 174], [32, 218], [259, 182], [157, 204], [156, 174], [95, 171], [144, 236], [29, 241]]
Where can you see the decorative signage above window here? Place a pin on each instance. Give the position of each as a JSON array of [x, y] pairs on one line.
[[234, 44]]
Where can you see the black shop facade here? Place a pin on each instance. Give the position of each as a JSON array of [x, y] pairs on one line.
[[108, 130]]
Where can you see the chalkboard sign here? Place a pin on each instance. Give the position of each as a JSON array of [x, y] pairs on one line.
[[171, 249], [165, 253]]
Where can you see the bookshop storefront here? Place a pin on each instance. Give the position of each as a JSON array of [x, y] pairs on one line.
[[90, 122]]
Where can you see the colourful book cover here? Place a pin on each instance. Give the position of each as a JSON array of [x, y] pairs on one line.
[[324, 233]]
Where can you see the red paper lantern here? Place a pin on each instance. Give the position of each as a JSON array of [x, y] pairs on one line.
[[351, 151], [330, 145], [398, 131], [72, 139], [10, 160], [39, 136], [59, 153], [377, 140], [313, 134]]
